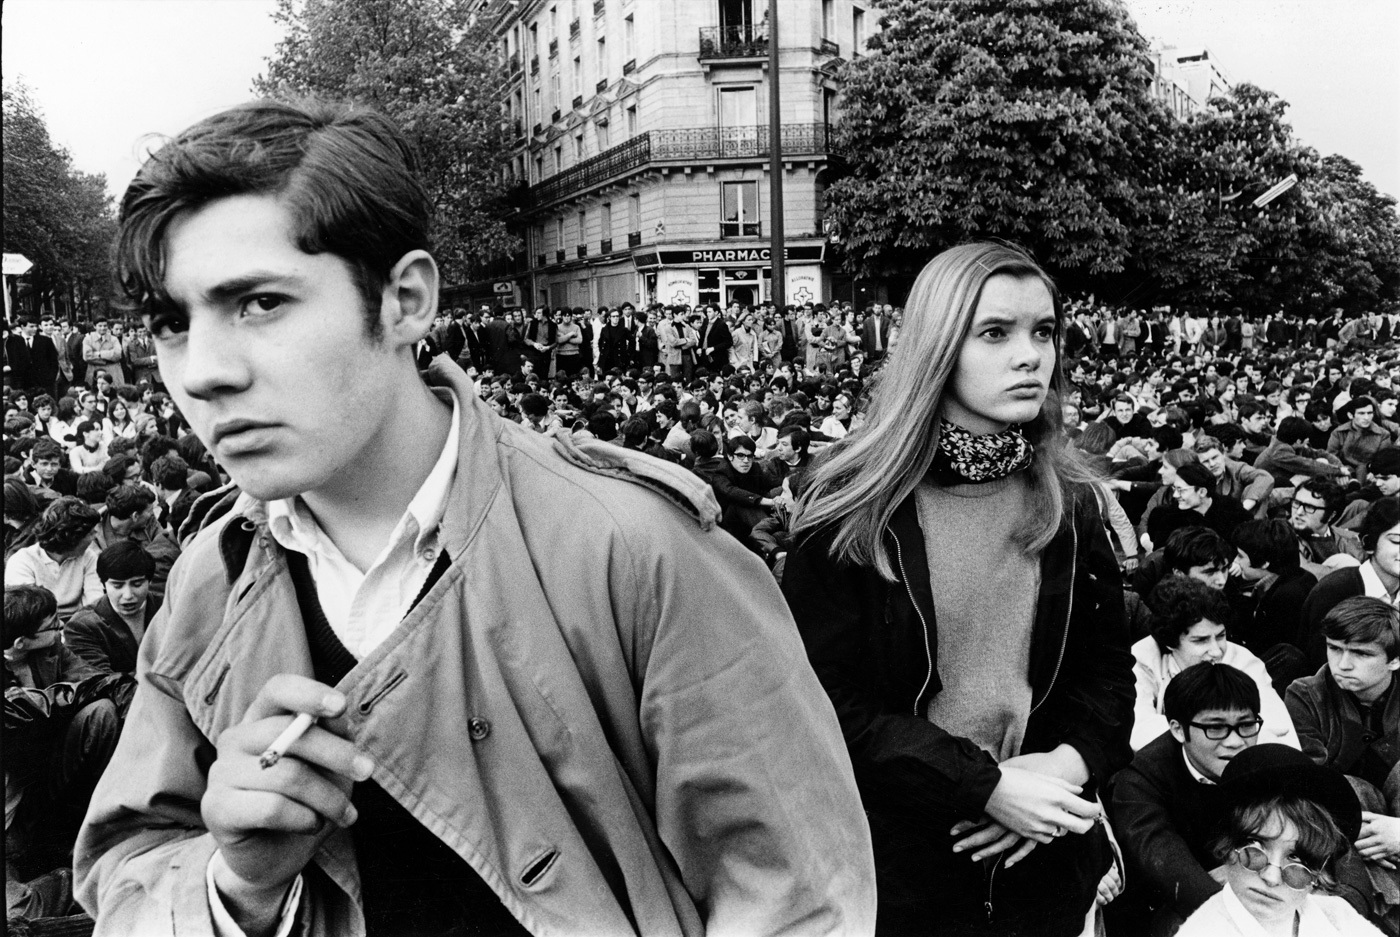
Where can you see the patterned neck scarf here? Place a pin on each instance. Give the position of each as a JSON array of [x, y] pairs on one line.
[[963, 457]]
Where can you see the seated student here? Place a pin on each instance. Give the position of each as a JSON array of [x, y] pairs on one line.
[[1316, 506], [741, 486], [1250, 485], [1188, 627], [108, 633], [1287, 457], [1197, 553], [1378, 576], [46, 473], [131, 516], [1165, 805], [1270, 588], [1348, 719], [1197, 504], [63, 558], [62, 719], [1288, 823]]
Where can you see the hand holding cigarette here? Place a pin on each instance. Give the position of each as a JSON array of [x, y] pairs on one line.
[[280, 784]]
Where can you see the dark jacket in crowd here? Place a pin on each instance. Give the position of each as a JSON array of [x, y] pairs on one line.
[[1333, 731], [98, 635], [874, 643]]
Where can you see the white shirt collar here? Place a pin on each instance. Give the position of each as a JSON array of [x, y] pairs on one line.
[[1200, 778], [294, 527], [1373, 587]]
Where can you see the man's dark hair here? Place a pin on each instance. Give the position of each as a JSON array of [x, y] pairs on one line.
[[26, 608], [603, 425], [127, 500], [152, 449], [535, 406], [125, 559], [703, 444], [45, 448], [64, 524], [668, 409], [92, 487], [1196, 546], [1177, 603], [1168, 438], [1293, 430], [635, 432], [1226, 435], [1328, 492], [1203, 686], [1364, 620], [115, 468], [170, 472], [800, 437], [345, 173], [1383, 514], [742, 442], [1268, 541], [1248, 408], [1197, 476]]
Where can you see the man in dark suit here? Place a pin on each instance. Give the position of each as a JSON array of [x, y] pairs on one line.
[[32, 357], [454, 338], [497, 348], [875, 333], [715, 342]]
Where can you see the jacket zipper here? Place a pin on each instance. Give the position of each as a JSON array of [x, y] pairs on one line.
[[1069, 612], [928, 654]]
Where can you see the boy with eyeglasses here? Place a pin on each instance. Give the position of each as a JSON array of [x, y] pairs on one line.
[[1166, 805], [1316, 504]]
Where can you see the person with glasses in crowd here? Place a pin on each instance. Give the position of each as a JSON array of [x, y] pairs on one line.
[[1166, 805], [1189, 621], [1289, 823], [1313, 512]]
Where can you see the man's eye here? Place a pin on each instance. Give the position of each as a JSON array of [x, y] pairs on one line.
[[165, 324], [263, 302]]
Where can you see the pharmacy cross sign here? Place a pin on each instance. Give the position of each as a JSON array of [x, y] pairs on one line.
[[680, 299], [803, 295]]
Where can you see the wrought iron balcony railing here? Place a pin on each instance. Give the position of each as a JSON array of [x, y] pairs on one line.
[[733, 42], [702, 143]]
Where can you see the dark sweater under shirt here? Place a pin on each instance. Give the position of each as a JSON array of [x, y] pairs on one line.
[[412, 883]]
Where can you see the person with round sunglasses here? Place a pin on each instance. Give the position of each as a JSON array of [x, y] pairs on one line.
[[1290, 821]]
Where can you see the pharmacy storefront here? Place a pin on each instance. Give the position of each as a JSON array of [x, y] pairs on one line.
[[723, 275]]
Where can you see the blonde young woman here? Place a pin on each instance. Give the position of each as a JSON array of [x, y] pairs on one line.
[[962, 607]]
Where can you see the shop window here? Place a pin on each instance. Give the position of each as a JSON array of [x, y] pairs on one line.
[[708, 282], [739, 210]]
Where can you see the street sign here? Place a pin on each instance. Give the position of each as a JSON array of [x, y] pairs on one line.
[[502, 288], [17, 265]]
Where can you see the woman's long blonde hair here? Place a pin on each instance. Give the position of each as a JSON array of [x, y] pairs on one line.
[[859, 481]]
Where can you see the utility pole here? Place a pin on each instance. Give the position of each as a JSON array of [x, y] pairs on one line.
[[775, 165]]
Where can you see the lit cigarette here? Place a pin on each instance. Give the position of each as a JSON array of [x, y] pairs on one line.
[[289, 735]]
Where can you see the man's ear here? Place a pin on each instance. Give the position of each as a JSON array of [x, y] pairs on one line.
[[1177, 731], [410, 298]]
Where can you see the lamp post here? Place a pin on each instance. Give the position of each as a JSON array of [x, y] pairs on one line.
[[775, 165]]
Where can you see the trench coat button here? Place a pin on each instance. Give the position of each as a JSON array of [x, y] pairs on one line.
[[478, 728]]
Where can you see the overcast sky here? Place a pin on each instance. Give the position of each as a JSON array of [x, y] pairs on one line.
[[109, 72]]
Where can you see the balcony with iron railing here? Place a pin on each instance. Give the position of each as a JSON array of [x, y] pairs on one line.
[[534, 65], [553, 48], [733, 42], [679, 146], [828, 47], [574, 29]]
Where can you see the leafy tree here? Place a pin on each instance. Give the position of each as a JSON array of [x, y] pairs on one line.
[[58, 217], [1022, 119], [433, 69]]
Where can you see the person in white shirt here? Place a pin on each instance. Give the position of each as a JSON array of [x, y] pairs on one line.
[[1189, 627], [63, 558]]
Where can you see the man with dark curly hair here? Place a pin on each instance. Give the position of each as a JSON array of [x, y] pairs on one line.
[[63, 558]]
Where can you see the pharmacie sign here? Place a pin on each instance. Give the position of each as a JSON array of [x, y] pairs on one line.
[[725, 255]]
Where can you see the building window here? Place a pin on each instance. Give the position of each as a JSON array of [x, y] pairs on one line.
[[632, 121], [857, 30], [602, 60], [629, 38], [558, 159], [578, 147], [739, 210], [828, 19], [707, 283], [553, 23], [539, 107], [583, 227], [534, 39], [554, 91], [559, 233], [738, 107], [578, 75], [634, 212], [606, 218], [539, 168], [603, 138]]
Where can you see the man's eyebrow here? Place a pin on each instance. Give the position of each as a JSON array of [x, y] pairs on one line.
[[236, 286]]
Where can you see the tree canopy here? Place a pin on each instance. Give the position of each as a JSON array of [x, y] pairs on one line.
[[62, 219], [1033, 120], [427, 65]]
